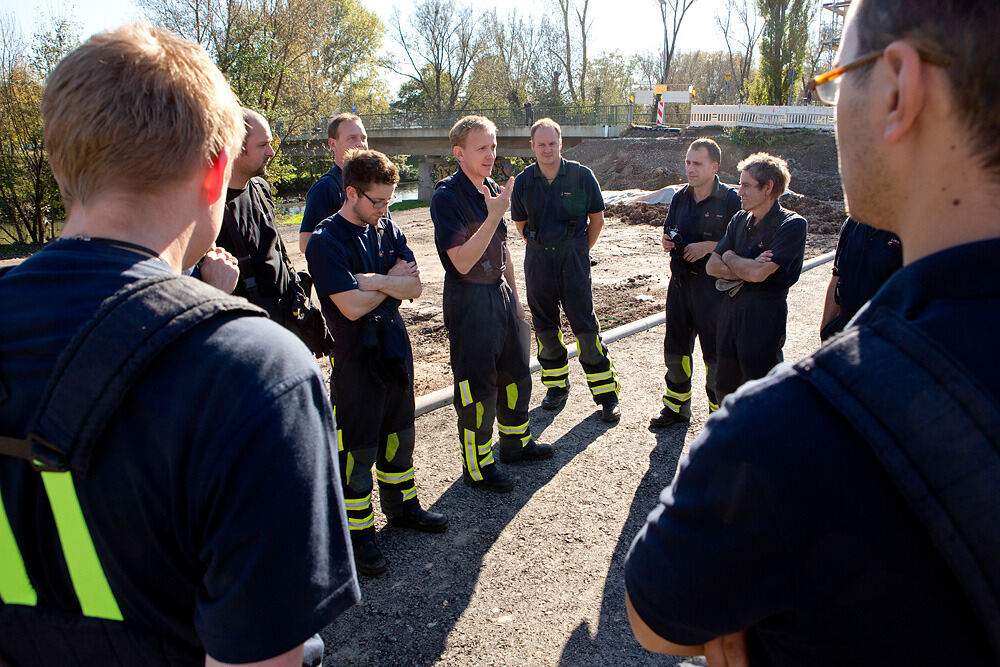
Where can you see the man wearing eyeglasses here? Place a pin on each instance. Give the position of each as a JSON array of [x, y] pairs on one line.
[[362, 270], [843, 510]]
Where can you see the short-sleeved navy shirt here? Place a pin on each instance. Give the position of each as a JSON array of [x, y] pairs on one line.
[[212, 496], [337, 251], [324, 198], [781, 231], [458, 209], [704, 220], [550, 208], [782, 520], [866, 258]]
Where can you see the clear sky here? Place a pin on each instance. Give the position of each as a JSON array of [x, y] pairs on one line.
[[630, 26]]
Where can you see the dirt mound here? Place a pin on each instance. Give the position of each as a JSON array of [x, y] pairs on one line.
[[823, 218], [653, 162]]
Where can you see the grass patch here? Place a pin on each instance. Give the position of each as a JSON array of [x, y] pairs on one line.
[[285, 221], [18, 250], [409, 204]]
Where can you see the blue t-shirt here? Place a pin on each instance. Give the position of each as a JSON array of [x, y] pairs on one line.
[[550, 208], [324, 198], [782, 520], [705, 220], [339, 249], [458, 209], [212, 498], [781, 231]]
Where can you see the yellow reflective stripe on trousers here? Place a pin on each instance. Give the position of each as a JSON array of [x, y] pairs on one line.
[[479, 414], [89, 582], [391, 446], [409, 493], [512, 396], [393, 477], [686, 364], [605, 388], [15, 587], [361, 524], [555, 371], [471, 460], [464, 392], [604, 375], [669, 393], [512, 430], [358, 503]]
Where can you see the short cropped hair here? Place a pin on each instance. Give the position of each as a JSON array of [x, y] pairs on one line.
[[133, 109], [764, 167], [546, 122], [331, 131], [965, 32], [714, 152], [364, 167], [460, 130]]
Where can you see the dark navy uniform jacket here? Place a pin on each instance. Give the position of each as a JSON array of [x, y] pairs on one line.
[[781, 231], [783, 520], [324, 198], [866, 258], [458, 209], [705, 220], [553, 209]]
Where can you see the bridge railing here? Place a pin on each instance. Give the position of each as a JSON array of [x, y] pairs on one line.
[[811, 117], [614, 114]]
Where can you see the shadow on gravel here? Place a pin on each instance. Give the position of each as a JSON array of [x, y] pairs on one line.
[[406, 614], [613, 643]]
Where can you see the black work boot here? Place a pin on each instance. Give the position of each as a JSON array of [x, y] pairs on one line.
[[611, 412], [667, 417], [368, 558], [529, 452], [494, 479], [555, 398], [416, 517]]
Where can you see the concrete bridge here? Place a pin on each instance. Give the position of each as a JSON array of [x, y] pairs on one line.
[[426, 135]]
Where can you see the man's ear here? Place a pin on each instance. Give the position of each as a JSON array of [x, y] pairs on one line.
[[331, 143], [768, 189], [458, 152], [905, 88], [216, 177], [351, 193]]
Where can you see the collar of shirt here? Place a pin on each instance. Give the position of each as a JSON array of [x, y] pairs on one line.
[[916, 284], [463, 183], [537, 171]]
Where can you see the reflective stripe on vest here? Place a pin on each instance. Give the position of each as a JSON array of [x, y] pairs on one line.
[[89, 581]]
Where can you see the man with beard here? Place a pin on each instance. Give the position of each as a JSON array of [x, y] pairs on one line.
[[843, 510], [363, 269]]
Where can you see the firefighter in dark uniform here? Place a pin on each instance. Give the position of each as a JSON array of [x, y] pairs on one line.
[[485, 319], [866, 258], [757, 260], [558, 208], [359, 259], [325, 197], [696, 220]]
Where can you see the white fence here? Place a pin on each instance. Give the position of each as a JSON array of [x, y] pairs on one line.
[[813, 117]]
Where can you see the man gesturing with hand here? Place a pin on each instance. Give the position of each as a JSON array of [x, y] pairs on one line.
[[484, 316]]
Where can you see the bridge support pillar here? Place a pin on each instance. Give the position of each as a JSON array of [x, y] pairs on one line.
[[426, 177]]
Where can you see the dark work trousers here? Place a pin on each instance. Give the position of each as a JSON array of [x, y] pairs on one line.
[[560, 276], [374, 419], [750, 336], [489, 361], [692, 310]]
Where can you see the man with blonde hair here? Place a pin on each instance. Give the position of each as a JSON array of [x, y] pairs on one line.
[[558, 209], [148, 422], [485, 318]]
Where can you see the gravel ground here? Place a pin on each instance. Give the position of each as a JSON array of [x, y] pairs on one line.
[[535, 577]]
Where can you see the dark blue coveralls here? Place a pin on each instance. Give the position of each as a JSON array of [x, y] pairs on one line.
[[557, 272], [489, 359], [692, 300], [751, 329], [866, 258], [372, 374], [325, 197]]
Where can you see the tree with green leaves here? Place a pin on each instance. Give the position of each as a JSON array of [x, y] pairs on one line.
[[29, 197], [782, 49]]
